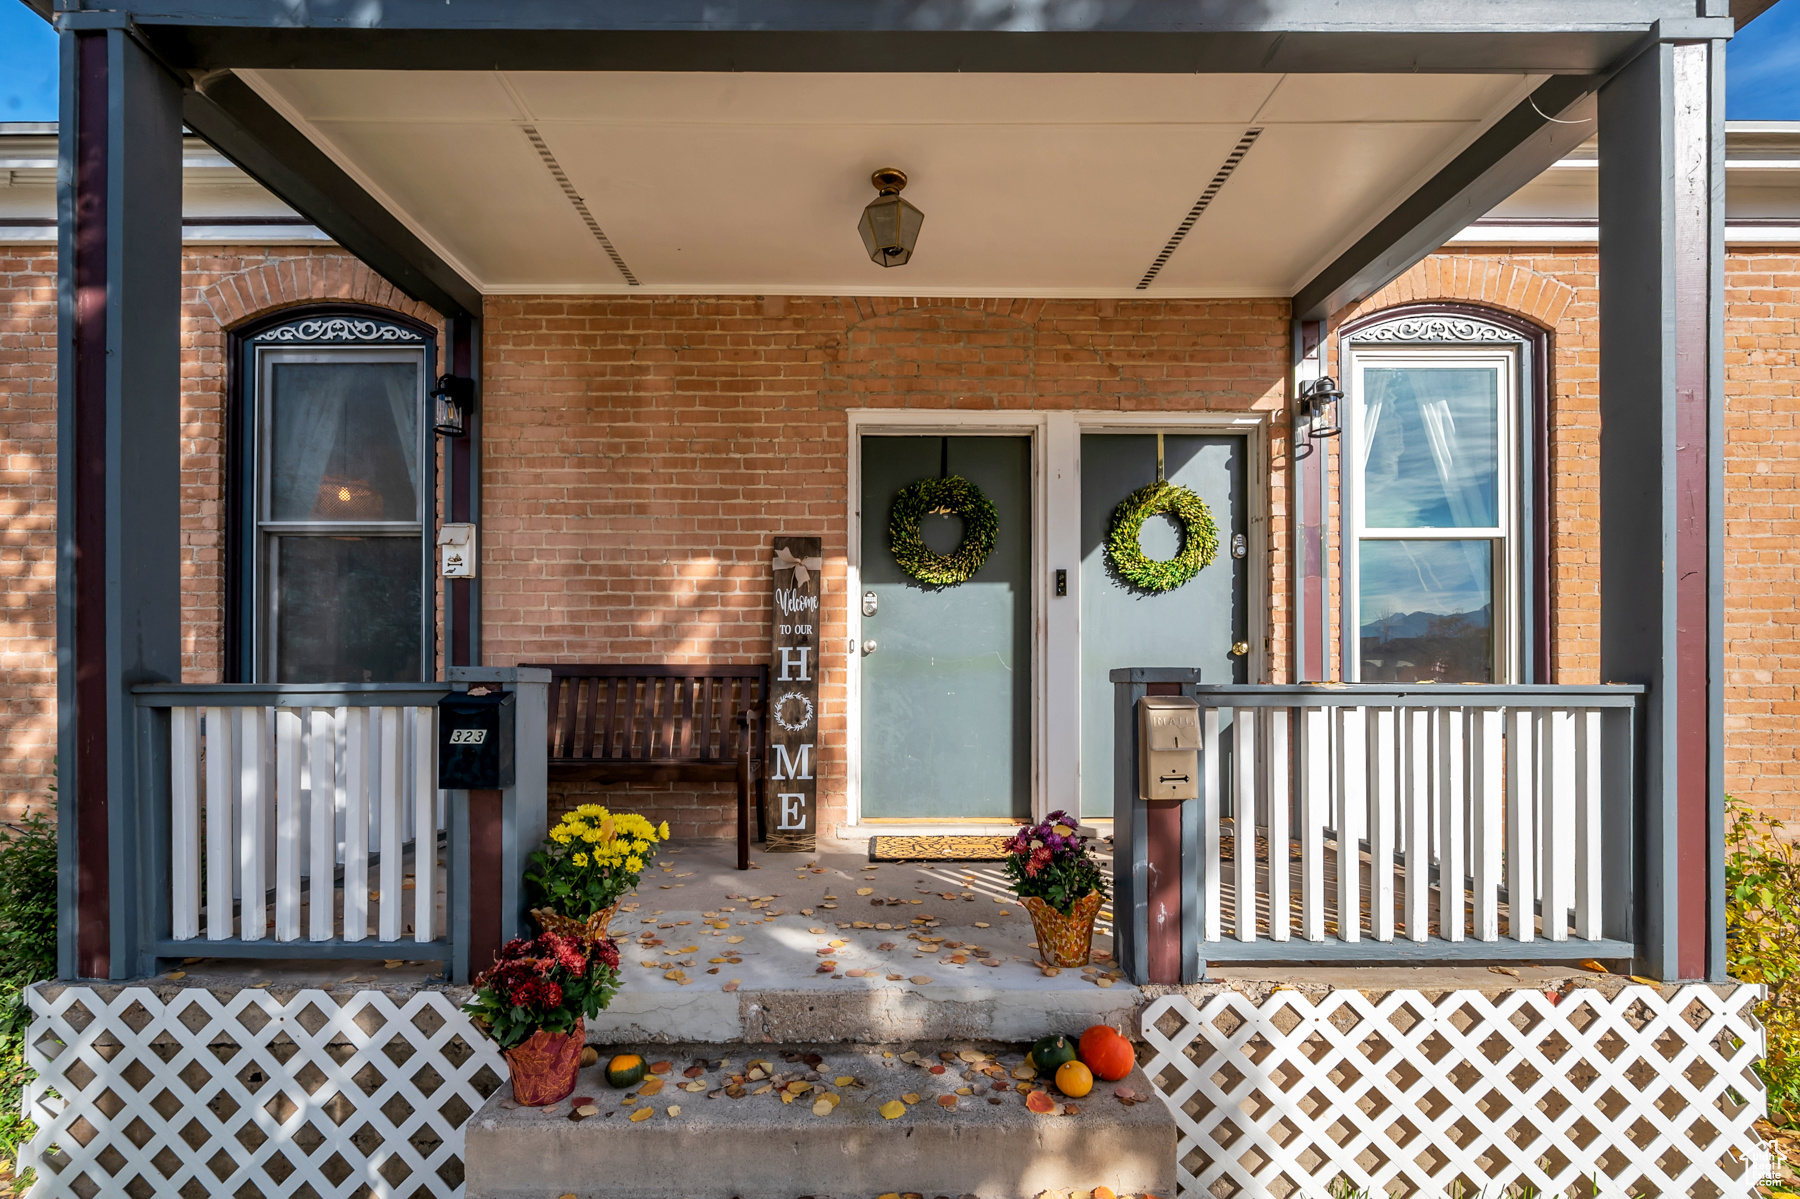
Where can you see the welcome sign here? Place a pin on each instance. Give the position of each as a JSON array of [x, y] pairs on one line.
[[793, 736]]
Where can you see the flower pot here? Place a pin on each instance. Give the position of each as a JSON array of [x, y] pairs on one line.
[[589, 928], [543, 1066], [1065, 940]]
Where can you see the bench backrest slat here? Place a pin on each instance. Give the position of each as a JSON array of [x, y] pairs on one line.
[[634, 712]]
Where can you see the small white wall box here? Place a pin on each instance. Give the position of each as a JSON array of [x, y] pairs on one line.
[[456, 551]]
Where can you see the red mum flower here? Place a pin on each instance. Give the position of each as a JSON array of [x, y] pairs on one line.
[[1040, 858], [607, 951]]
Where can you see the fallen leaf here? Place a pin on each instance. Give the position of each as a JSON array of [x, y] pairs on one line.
[[893, 1109], [921, 979], [1098, 982], [962, 1091], [1636, 978], [733, 940], [654, 1086], [587, 1109], [1040, 1103], [1503, 970], [982, 924], [839, 944], [173, 974], [911, 1096], [675, 1110], [946, 1101], [865, 890], [1591, 964], [894, 978], [686, 949], [730, 986], [821, 1108], [1024, 1073], [642, 1113]]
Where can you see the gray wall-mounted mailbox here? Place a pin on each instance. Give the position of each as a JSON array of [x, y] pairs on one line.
[[475, 741], [1168, 747]]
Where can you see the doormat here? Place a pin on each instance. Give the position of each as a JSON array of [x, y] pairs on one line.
[[938, 849]]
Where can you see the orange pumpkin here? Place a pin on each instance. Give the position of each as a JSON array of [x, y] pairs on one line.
[[1109, 1055]]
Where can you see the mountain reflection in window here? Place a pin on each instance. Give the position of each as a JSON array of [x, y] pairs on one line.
[[1427, 611]]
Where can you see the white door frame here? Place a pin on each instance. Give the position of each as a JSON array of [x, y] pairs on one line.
[[1056, 533]]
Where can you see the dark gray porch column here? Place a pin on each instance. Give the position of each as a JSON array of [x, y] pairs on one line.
[[118, 461], [1661, 455]]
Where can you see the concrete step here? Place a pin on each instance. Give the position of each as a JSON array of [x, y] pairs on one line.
[[710, 1144]]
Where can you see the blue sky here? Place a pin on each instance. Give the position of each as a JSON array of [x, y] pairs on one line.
[[1763, 66]]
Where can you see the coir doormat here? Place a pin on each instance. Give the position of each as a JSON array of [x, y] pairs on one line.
[[937, 849]]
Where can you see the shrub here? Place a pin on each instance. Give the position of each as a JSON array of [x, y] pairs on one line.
[[27, 955], [1762, 944]]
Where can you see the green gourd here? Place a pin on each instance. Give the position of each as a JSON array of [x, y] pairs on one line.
[[626, 1070], [1052, 1052]]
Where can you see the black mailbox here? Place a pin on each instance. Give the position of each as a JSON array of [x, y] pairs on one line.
[[475, 741]]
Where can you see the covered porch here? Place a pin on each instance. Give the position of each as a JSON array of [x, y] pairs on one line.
[[1147, 234]]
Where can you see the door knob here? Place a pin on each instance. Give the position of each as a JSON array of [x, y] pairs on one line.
[[868, 647], [1239, 648]]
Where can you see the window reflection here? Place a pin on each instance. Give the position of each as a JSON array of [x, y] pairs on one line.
[[1427, 611], [345, 444], [1430, 445], [348, 610]]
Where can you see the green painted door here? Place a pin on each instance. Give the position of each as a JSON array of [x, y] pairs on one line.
[[946, 691], [1195, 624]]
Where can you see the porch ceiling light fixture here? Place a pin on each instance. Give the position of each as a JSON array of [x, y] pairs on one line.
[[451, 401], [889, 225], [1316, 413]]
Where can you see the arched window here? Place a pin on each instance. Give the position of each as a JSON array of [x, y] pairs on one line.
[[1438, 498], [333, 486]]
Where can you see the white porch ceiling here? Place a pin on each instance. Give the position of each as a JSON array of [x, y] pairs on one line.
[[752, 183]]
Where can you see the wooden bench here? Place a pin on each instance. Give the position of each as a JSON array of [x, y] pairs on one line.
[[640, 723]]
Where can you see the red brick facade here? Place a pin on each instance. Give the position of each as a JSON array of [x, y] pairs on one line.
[[640, 452]]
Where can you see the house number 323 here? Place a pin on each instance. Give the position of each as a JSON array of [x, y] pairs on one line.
[[468, 736]]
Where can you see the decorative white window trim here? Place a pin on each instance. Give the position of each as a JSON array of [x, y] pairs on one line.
[[339, 329], [1454, 329]]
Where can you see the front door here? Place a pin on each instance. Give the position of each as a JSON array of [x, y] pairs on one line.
[[1198, 624], [947, 671]]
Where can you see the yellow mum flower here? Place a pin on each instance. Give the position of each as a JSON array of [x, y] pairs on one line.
[[581, 859], [664, 830], [634, 864]]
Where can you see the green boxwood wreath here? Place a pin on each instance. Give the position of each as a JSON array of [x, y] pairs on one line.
[[951, 496], [1199, 537]]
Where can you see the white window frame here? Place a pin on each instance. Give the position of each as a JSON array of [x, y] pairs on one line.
[[1486, 346], [1056, 543], [269, 533]]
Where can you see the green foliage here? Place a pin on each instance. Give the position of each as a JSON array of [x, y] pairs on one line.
[[27, 955], [952, 496], [1054, 862], [1199, 537], [1762, 944], [544, 985]]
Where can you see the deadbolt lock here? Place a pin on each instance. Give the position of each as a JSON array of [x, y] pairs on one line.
[[1239, 648], [870, 602]]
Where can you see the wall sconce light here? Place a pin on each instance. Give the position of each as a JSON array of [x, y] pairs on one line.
[[1315, 414], [889, 225], [451, 402]]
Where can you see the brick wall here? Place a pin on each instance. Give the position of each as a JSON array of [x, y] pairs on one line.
[[221, 287], [641, 451], [1557, 288], [639, 454]]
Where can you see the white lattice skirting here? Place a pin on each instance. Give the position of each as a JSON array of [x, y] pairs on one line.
[[1407, 1094], [319, 1096], [252, 1095]]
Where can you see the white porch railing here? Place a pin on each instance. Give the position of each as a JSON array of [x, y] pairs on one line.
[[1410, 823], [304, 815]]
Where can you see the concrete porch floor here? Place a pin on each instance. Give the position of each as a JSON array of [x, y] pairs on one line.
[[888, 983]]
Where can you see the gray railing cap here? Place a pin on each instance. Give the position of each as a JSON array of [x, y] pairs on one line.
[[1156, 674], [497, 674]]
